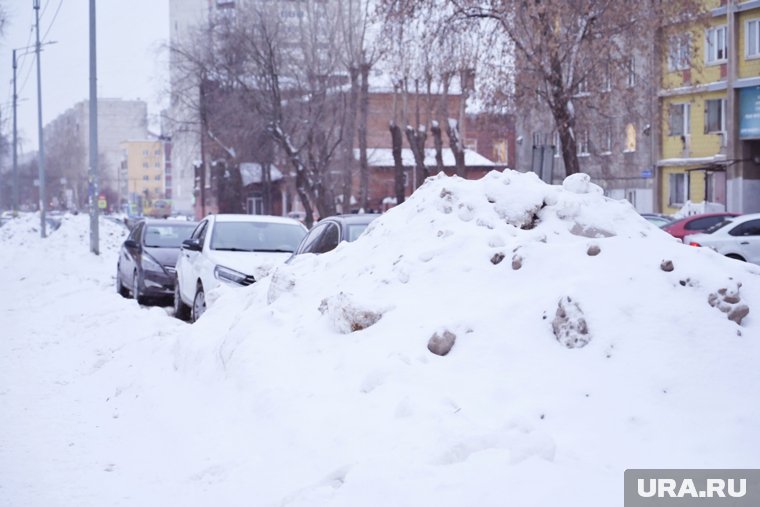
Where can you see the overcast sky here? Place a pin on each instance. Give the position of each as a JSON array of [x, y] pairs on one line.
[[131, 63]]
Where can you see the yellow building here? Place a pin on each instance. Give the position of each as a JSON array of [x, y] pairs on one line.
[[710, 110], [145, 174]]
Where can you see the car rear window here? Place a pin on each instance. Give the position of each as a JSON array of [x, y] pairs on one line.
[[719, 225], [167, 236]]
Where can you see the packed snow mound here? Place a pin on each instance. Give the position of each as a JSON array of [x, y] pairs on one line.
[[490, 341], [449, 241]]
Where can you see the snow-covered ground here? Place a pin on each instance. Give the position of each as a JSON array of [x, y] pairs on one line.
[[316, 386]]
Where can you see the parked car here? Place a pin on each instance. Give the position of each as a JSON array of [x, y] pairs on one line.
[[329, 232], [145, 268], [231, 249], [738, 238], [695, 223], [657, 219]]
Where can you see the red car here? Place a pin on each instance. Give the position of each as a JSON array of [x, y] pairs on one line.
[[695, 224]]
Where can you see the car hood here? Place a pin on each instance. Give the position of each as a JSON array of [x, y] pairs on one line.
[[257, 264], [165, 256]]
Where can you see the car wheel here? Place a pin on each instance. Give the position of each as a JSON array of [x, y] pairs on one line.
[[123, 292], [199, 303], [136, 289], [181, 310]]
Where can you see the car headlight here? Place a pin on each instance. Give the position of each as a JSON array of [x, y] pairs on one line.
[[151, 264], [232, 276]]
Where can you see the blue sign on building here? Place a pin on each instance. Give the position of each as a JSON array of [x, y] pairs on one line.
[[749, 113]]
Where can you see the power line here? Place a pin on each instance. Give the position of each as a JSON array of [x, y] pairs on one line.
[[52, 21]]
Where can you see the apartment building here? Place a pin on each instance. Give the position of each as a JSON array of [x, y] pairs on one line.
[[710, 111], [67, 142], [143, 177]]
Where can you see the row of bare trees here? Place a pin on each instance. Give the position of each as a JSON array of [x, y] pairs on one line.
[[295, 77]]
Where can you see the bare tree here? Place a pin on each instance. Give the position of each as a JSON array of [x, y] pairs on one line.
[[561, 45]]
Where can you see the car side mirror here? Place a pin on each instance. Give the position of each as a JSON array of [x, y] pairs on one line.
[[130, 243], [192, 244]]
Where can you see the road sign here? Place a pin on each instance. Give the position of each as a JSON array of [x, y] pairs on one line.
[[102, 203]]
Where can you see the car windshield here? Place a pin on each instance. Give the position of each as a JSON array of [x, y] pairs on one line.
[[719, 225], [168, 235], [256, 237], [355, 230]]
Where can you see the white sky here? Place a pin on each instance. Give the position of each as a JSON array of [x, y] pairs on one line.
[[131, 62]]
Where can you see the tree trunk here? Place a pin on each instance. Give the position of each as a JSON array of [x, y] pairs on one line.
[[348, 141], [417, 140], [303, 184], [435, 128], [457, 147], [362, 131], [565, 122], [398, 164]]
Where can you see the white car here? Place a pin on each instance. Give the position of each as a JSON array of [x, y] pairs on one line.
[[736, 237], [233, 249]]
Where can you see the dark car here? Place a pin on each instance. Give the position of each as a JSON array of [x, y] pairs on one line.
[[147, 258], [329, 232], [695, 223]]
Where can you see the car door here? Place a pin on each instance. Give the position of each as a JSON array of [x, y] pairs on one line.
[[747, 237], [186, 263]]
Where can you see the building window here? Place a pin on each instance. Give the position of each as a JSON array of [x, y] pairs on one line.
[[678, 119], [607, 79], [606, 143], [631, 72], [146, 178], [537, 139], [715, 116], [158, 164], [145, 153], [677, 191], [716, 48], [630, 138], [158, 177], [679, 48], [145, 164], [157, 152], [583, 144], [752, 38]]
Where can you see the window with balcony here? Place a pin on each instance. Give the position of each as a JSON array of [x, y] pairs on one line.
[[716, 47]]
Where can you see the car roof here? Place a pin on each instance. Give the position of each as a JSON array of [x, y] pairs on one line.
[[705, 215], [166, 221], [352, 219], [235, 217]]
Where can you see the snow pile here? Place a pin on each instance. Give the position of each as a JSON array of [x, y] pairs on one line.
[[417, 366], [488, 342]]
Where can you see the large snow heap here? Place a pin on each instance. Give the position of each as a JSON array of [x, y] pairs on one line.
[[493, 332]]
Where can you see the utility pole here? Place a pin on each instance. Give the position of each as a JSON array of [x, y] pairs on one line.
[[15, 142], [94, 183], [41, 152]]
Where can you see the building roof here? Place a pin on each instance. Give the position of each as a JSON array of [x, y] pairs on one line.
[[383, 157], [251, 173]]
